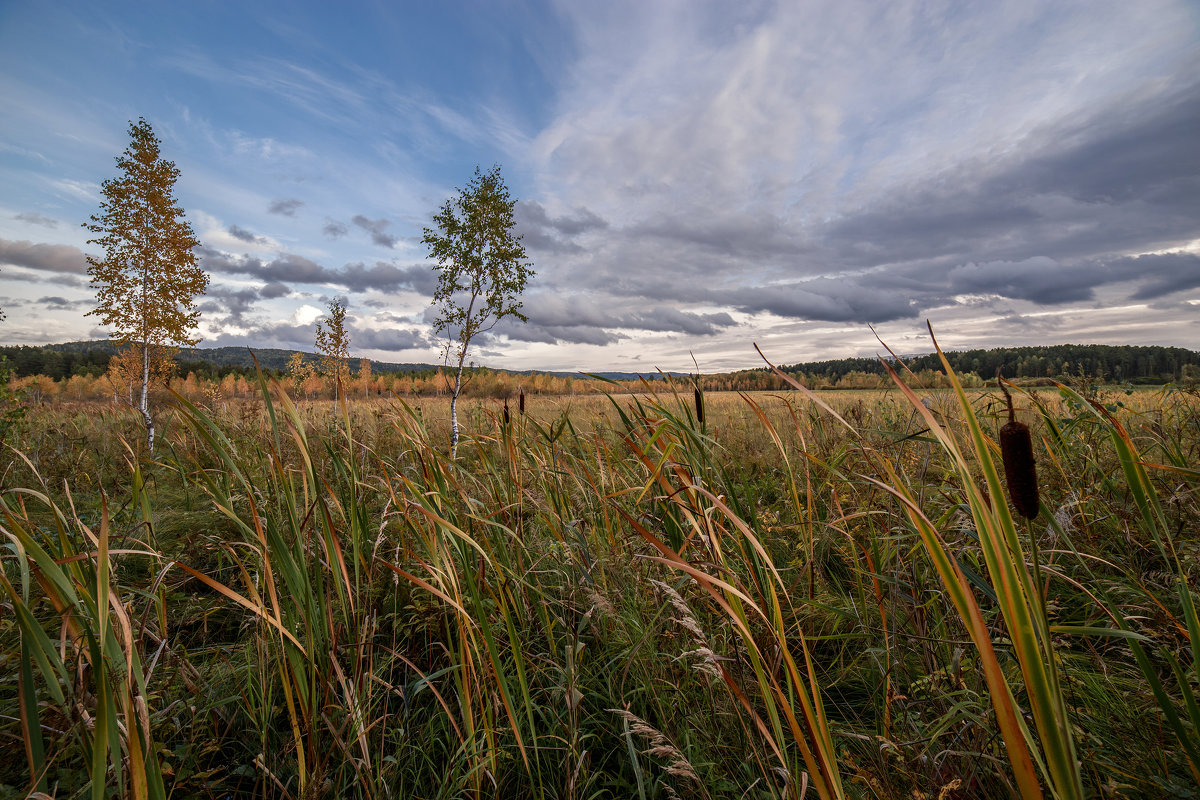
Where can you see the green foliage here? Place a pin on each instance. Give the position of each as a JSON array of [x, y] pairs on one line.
[[481, 265]]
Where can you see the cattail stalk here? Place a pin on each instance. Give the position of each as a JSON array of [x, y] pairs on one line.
[[1016, 449]]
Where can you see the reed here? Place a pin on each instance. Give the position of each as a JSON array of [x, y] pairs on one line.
[[762, 595]]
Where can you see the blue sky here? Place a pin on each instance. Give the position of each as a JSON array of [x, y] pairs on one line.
[[693, 177]]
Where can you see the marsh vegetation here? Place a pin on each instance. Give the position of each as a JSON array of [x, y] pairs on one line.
[[664, 594]]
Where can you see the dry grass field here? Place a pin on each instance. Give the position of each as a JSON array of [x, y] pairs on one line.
[[779, 594]]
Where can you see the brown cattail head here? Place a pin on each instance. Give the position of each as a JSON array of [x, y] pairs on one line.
[[699, 398], [521, 402], [1016, 448], [506, 419]]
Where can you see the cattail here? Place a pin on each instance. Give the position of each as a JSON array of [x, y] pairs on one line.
[[521, 402], [1016, 448], [506, 420], [699, 398]]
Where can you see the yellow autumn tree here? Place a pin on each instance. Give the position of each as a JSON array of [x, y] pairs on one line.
[[299, 371], [148, 279], [333, 343], [127, 369]]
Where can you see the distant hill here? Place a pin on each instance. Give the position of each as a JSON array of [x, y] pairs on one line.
[[1116, 363], [70, 358]]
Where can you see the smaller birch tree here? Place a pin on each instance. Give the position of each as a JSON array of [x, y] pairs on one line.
[[148, 280], [333, 343], [482, 271]]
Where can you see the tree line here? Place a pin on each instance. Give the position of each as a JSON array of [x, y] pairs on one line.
[[1104, 363]]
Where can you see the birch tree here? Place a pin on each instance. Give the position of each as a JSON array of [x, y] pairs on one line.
[[482, 270], [333, 343], [148, 279]]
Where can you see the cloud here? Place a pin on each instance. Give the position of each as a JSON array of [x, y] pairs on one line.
[[769, 167], [391, 339], [596, 320], [377, 228], [226, 306], [76, 190], [285, 206], [62, 303], [334, 229], [289, 269], [542, 232], [241, 234], [1160, 274], [273, 290], [1039, 279], [34, 218], [43, 257]]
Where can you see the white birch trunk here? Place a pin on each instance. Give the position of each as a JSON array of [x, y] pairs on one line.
[[454, 407], [144, 406]]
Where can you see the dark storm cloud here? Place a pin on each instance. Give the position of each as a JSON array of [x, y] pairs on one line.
[[377, 228], [34, 218], [58, 280], [283, 335], [43, 257], [1048, 222], [418, 278], [244, 235], [554, 334], [828, 299], [1160, 274], [1121, 180], [737, 235], [62, 303], [541, 232], [223, 305], [289, 269], [289, 335], [549, 311], [334, 229], [286, 206], [596, 321], [531, 212], [389, 339], [273, 290], [1039, 279]]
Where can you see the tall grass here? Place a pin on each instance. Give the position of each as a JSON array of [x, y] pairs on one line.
[[675, 594]]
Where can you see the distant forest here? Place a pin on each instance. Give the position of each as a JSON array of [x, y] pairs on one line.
[[1107, 363], [61, 361]]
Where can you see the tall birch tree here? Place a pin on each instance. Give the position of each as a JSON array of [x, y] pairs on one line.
[[482, 270], [148, 280]]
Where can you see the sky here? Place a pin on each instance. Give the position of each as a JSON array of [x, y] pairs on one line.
[[692, 177]]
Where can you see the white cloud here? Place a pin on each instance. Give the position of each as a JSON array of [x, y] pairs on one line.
[[306, 315]]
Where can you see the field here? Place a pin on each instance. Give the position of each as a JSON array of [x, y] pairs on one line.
[[660, 595]]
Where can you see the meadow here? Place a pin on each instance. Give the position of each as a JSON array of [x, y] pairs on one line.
[[670, 593]]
